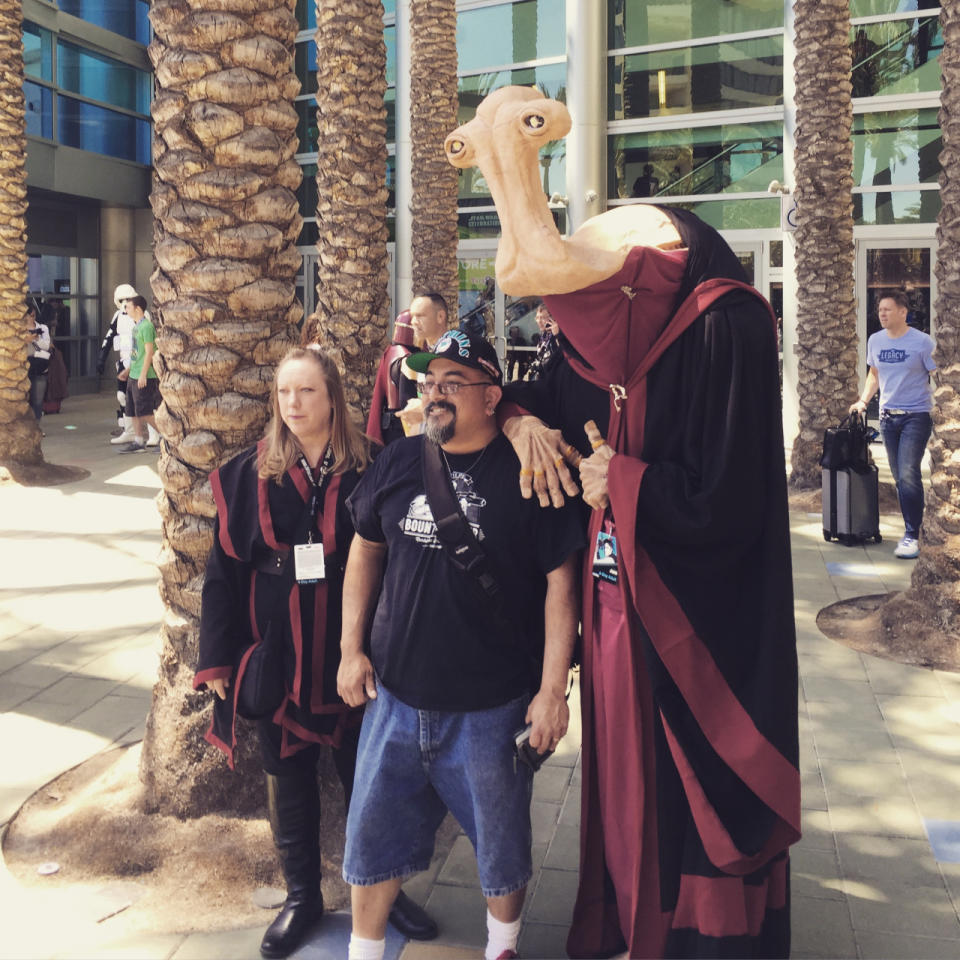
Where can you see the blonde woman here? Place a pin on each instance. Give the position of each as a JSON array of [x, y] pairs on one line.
[[271, 614]]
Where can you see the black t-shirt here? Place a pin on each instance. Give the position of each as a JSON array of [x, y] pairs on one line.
[[435, 641]]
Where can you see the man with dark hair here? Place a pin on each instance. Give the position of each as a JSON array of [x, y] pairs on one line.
[[455, 668], [430, 318], [900, 360], [143, 386]]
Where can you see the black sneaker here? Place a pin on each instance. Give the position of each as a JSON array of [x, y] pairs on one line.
[[132, 448]]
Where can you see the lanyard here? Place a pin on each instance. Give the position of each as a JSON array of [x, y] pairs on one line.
[[316, 482]]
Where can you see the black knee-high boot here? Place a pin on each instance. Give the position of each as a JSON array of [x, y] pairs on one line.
[[293, 803]]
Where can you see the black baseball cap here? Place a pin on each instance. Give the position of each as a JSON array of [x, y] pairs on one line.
[[461, 348]]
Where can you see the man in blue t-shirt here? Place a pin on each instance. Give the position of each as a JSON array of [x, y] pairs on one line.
[[901, 361], [451, 673]]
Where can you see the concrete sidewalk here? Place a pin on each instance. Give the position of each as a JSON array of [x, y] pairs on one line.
[[879, 742]]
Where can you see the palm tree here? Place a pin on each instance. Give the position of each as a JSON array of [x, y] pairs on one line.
[[826, 307], [19, 432], [352, 307], [932, 604], [225, 230], [433, 114]]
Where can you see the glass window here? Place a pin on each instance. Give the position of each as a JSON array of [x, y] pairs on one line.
[[898, 56], [390, 41], [510, 33], [305, 65], [101, 78], [37, 52], [308, 234], [307, 125], [872, 8], [896, 147], [389, 8], [307, 191], [664, 163], [126, 17], [716, 76], [39, 107], [390, 104], [637, 23], [884, 207], [753, 214], [89, 127], [486, 223]]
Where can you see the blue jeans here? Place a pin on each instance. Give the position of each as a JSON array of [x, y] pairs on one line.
[[414, 765], [38, 390], [905, 436]]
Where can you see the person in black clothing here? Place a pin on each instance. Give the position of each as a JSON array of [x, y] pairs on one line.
[[465, 667], [273, 586]]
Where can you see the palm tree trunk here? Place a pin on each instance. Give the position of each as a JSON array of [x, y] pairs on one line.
[[351, 315], [932, 604], [826, 307], [225, 229], [19, 431], [433, 114]]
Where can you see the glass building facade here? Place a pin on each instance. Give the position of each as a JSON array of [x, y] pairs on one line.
[[695, 117], [87, 89]]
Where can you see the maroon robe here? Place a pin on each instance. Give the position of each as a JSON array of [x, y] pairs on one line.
[[691, 787]]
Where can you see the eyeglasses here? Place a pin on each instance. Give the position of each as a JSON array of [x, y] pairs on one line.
[[449, 388]]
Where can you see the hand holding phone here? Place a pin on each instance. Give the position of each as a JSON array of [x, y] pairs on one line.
[[526, 754]]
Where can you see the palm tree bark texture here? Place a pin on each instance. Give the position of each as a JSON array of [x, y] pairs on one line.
[[19, 431], [933, 601], [826, 305], [225, 230], [433, 114], [351, 315]]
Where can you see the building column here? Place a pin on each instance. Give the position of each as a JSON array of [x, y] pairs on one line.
[[587, 102], [403, 228], [791, 409], [118, 249]]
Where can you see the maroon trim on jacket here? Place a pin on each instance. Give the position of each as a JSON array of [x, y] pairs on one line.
[[211, 673], [296, 630], [221, 503]]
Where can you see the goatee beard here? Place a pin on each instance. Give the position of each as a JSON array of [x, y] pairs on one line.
[[440, 433]]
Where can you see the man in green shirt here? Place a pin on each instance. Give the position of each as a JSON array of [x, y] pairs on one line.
[[143, 388]]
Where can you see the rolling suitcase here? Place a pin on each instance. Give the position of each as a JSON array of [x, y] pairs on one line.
[[851, 507]]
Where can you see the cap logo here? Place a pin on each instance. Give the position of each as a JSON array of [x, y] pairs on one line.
[[453, 337]]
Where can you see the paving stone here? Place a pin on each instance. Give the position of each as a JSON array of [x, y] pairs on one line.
[[543, 818], [564, 850], [114, 716], [438, 951], [550, 783], [460, 867], [241, 944], [950, 684], [461, 914], [134, 947], [865, 778], [840, 668], [893, 946], [817, 831], [812, 794], [917, 911], [543, 940], [839, 713], [888, 860], [816, 874], [855, 743], [821, 928], [81, 692], [13, 694], [879, 816], [554, 897], [847, 692], [33, 674], [888, 677]]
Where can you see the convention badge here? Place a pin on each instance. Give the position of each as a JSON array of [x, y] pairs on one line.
[[308, 562], [605, 557]]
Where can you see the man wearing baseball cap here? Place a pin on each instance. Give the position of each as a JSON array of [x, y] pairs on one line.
[[456, 663]]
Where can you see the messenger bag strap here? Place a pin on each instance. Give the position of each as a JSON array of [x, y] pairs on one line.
[[453, 531]]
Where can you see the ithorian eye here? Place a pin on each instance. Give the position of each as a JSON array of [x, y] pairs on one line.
[[456, 146], [534, 120]]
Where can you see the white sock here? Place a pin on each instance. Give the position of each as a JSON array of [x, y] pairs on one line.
[[500, 936], [361, 949]]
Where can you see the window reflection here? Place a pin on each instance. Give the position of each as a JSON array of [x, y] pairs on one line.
[[102, 78], [875, 208], [751, 214], [39, 110], [89, 127], [637, 23], [307, 131], [37, 52], [668, 163], [872, 8], [896, 57], [896, 147], [716, 76], [128, 18], [305, 65], [511, 33]]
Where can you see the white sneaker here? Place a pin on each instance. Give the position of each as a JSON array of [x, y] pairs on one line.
[[126, 437], [907, 549], [153, 437]]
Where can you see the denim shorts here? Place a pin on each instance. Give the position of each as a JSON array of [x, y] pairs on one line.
[[415, 765]]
